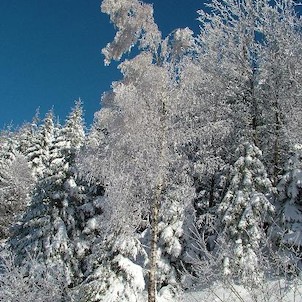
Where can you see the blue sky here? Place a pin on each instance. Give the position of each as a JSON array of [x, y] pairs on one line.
[[50, 53]]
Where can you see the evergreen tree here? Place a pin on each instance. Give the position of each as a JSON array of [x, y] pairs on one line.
[[39, 149], [74, 130], [206, 220], [49, 228], [116, 270], [27, 133], [244, 211], [290, 207], [8, 146]]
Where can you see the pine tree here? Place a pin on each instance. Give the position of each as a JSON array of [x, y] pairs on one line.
[[116, 270], [8, 146], [27, 133], [74, 130], [41, 142], [206, 219], [49, 228], [290, 207], [244, 211]]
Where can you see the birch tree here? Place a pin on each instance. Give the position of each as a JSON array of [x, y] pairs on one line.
[[140, 125], [280, 83], [240, 50]]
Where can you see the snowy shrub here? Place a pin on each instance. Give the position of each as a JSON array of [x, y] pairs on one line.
[[29, 282], [15, 188], [116, 271], [275, 280]]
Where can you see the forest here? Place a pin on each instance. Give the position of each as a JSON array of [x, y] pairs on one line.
[[188, 181]]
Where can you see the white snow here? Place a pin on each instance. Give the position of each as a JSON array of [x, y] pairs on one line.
[[268, 291], [134, 271]]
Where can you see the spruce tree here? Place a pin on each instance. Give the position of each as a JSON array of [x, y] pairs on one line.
[[290, 207], [41, 141], [244, 212], [49, 228]]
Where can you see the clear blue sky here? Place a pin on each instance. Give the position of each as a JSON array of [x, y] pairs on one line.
[[50, 53]]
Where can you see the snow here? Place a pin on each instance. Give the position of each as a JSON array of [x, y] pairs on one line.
[[81, 248], [134, 272], [268, 291], [91, 225], [167, 233]]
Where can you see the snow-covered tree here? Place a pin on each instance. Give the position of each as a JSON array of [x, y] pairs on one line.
[[129, 164], [206, 221], [120, 214], [116, 270], [290, 206], [8, 146], [30, 282], [26, 134], [244, 213], [141, 131], [280, 83], [48, 230], [39, 149], [247, 51], [15, 183], [74, 129], [228, 53]]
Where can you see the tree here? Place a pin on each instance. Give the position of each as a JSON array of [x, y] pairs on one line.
[[15, 184], [240, 43], [140, 125], [48, 229], [30, 282], [114, 272], [27, 133], [134, 163], [290, 210], [74, 131], [280, 83], [40, 143], [228, 53], [244, 212]]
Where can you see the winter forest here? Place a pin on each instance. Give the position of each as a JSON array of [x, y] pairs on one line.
[[188, 184]]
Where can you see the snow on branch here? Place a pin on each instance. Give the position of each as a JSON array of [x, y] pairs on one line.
[[135, 24]]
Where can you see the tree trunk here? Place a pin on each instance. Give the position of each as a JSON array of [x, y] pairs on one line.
[[153, 253], [276, 159], [155, 207], [255, 112]]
